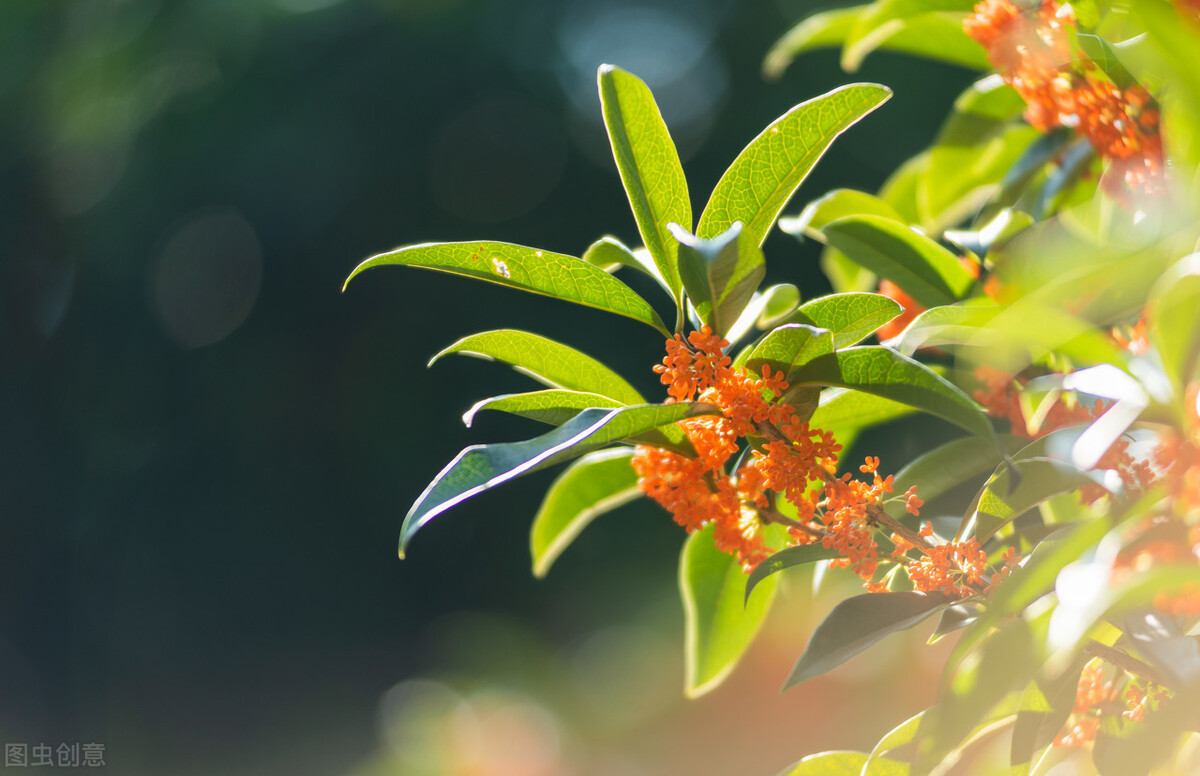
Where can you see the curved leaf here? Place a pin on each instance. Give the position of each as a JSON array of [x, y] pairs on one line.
[[719, 623], [720, 274], [554, 406], [790, 346], [886, 373], [857, 623], [933, 35], [885, 19], [595, 484], [547, 361], [954, 324], [1000, 502], [1175, 326], [924, 270], [480, 467], [852, 317], [527, 269], [844, 274], [785, 559], [844, 764], [610, 254], [766, 173], [649, 166]]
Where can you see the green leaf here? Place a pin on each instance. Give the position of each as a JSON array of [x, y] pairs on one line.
[[778, 302], [719, 623], [844, 764], [481, 467], [899, 736], [610, 254], [838, 203], [845, 413], [934, 35], [553, 406], [999, 502], [947, 466], [955, 618], [789, 347], [591, 486], [857, 623], [766, 173], [851, 317], [1044, 709], [527, 269], [1102, 53], [1175, 326], [844, 274], [886, 373], [885, 18], [974, 150], [553, 363], [964, 323], [926, 271], [649, 166], [785, 559], [720, 274]]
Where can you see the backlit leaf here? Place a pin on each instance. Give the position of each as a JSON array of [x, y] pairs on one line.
[[765, 174], [591, 486], [719, 274], [926, 271], [719, 622], [886, 373], [851, 317], [549, 362], [528, 269], [844, 764], [553, 406], [481, 467], [649, 166]]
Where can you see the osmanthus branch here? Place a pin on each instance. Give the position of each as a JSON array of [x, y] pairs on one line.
[[774, 516], [875, 513]]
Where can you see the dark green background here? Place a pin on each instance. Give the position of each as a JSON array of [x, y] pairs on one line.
[[197, 545]]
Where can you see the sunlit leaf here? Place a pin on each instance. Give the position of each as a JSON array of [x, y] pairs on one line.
[[844, 764], [553, 406], [591, 486], [719, 274], [1044, 709], [649, 166], [789, 347], [765, 174], [549, 362], [481, 467], [851, 317], [956, 324], [1175, 325], [886, 373], [609, 254], [719, 622], [528, 269], [843, 273], [974, 150], [1002, 500], [924, 270], [929, 28], [786, 558], [857, 623]]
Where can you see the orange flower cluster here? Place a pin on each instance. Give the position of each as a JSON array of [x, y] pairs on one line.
[[1140, 698], [786, 458], [1033, 51], [1092, 694]]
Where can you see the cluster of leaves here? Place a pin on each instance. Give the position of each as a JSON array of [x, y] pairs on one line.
[[1054, 323]]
